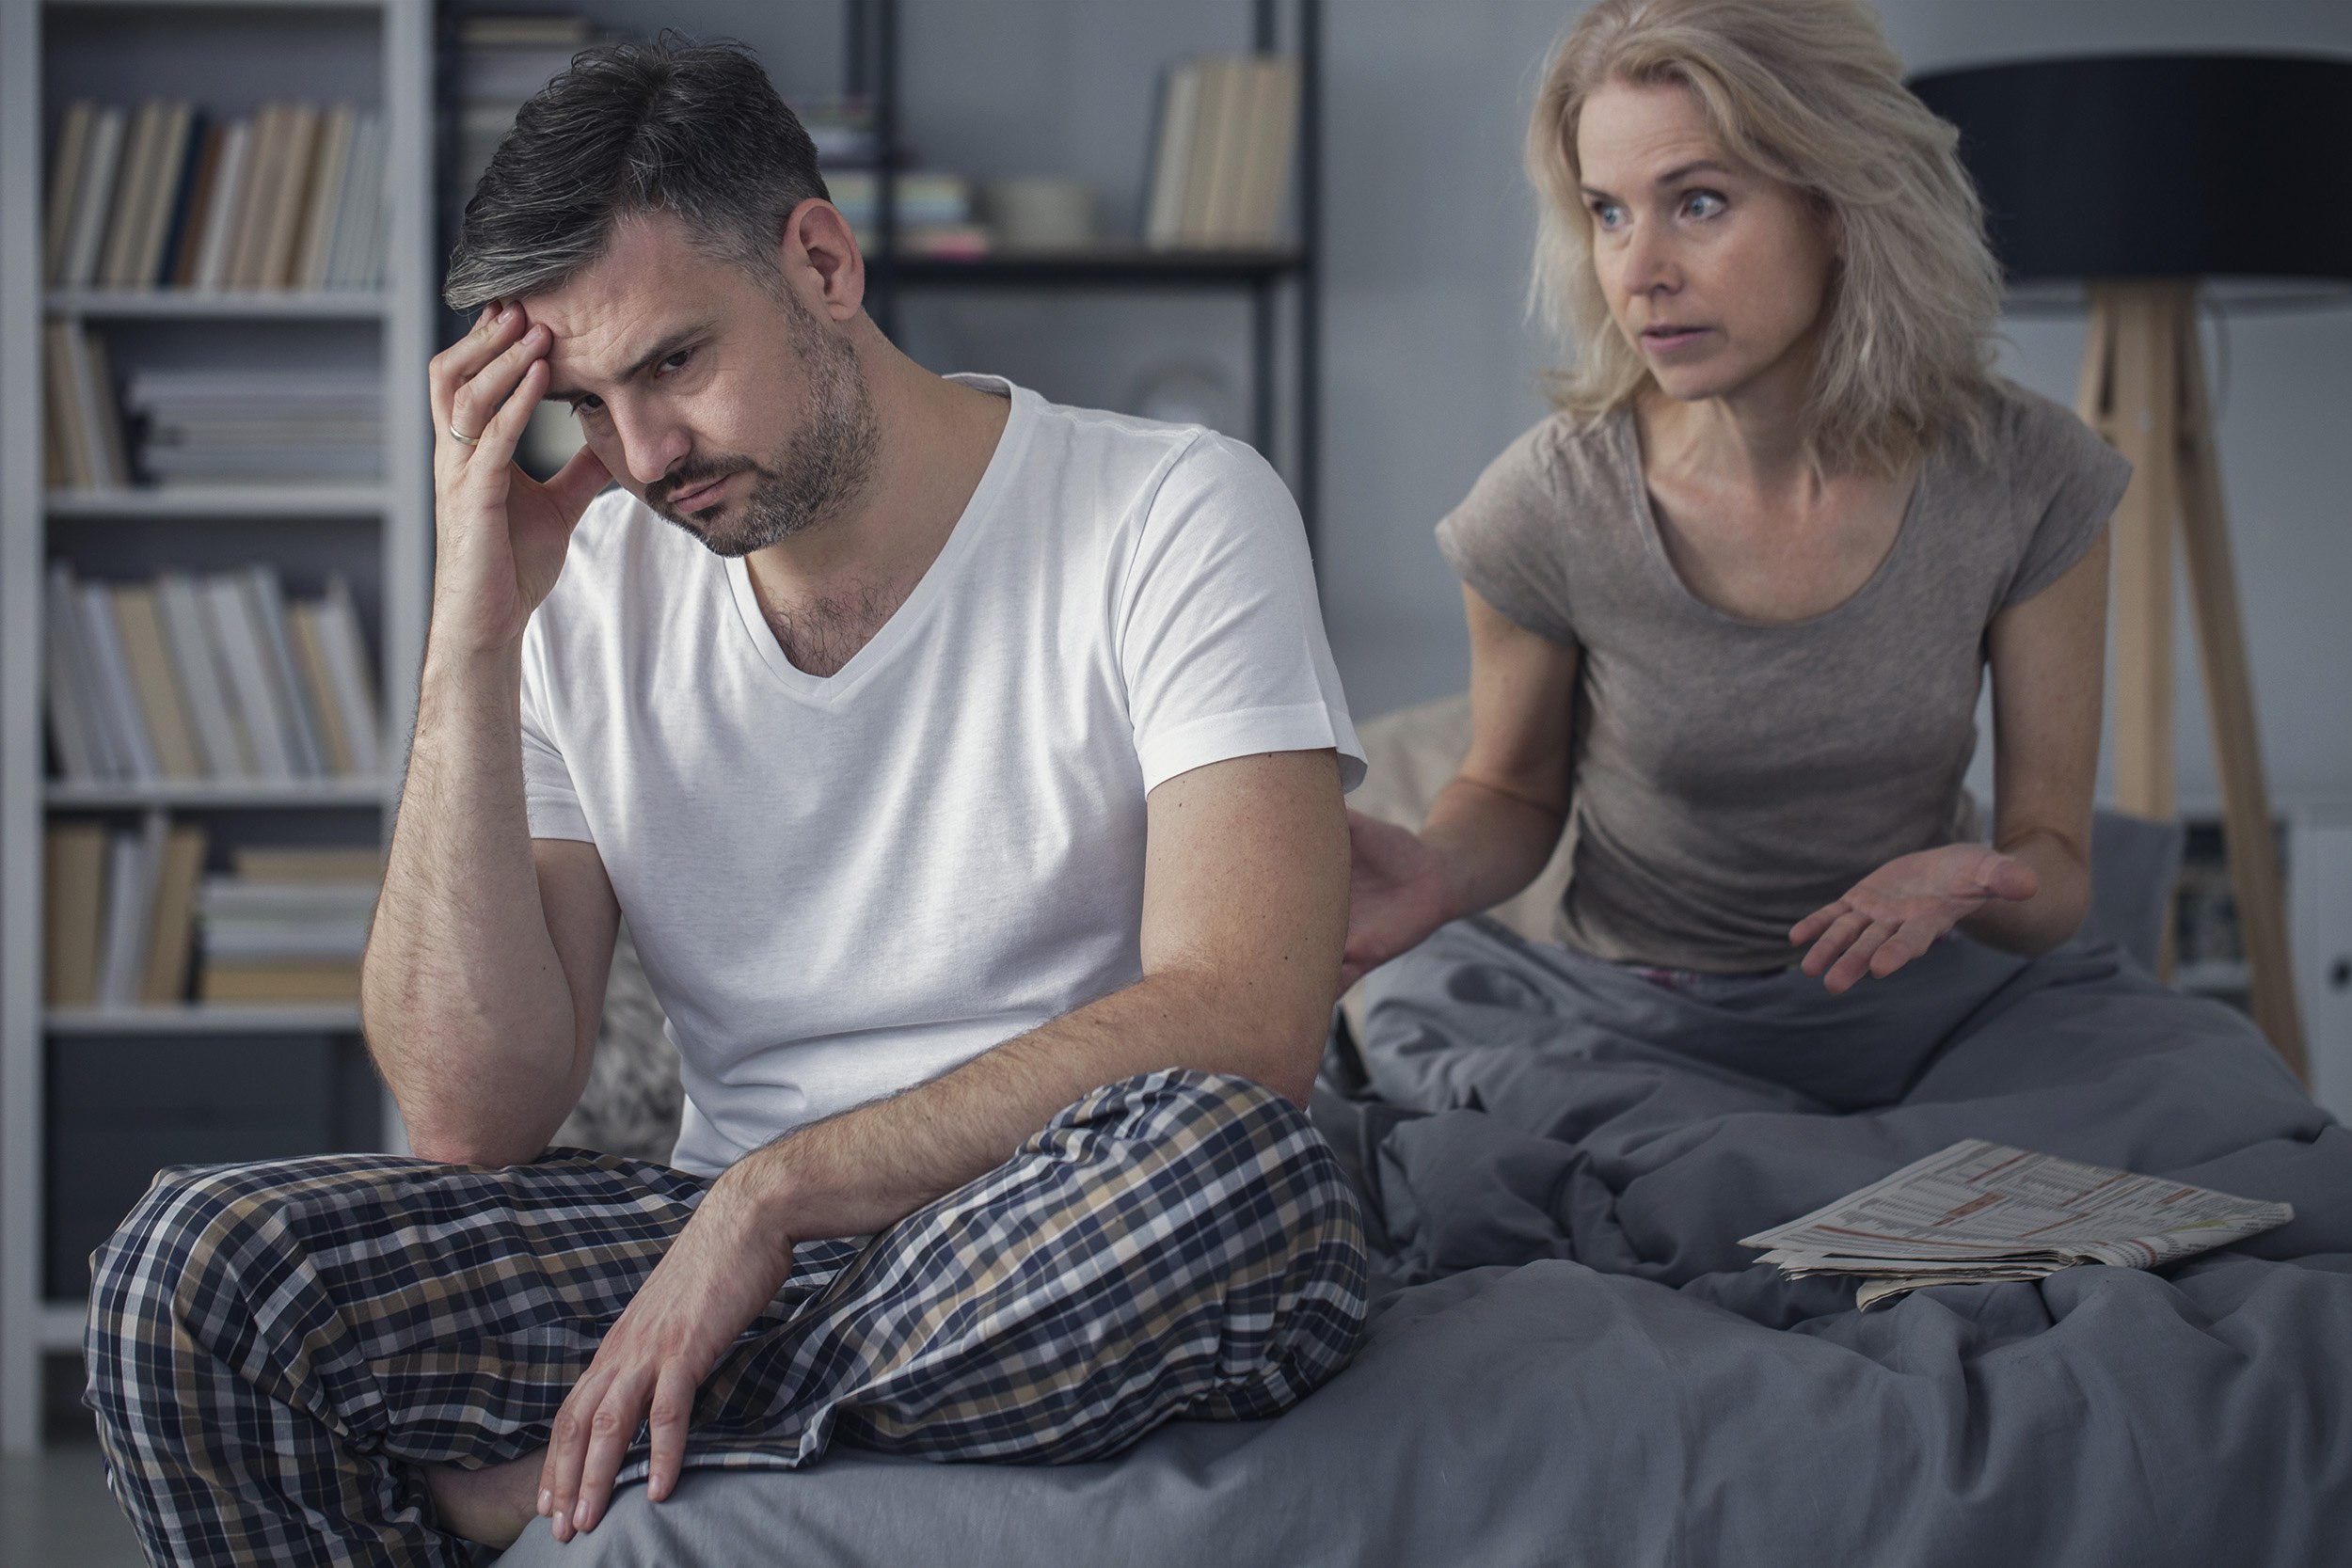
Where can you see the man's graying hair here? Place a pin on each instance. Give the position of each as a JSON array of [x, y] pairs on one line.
[[674, 126]]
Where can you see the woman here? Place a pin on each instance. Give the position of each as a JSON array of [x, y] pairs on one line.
[[1730, 607]]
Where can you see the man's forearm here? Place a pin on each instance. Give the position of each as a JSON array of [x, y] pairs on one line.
[[466, 1005], [862, 1171]]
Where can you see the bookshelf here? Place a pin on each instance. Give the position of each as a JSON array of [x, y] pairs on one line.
[[145, 1085]]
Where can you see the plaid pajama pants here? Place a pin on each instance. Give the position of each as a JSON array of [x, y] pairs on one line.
[[274, 1347]]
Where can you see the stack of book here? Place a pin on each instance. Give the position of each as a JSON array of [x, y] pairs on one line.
[[256, 426], [83, 448], [289, 926], [933, 211], [842, 131], [165, 195], [1221, 156], [502, 60], [210, 677], [120, 910]]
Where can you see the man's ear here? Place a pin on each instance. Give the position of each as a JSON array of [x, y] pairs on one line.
[[820, 261]]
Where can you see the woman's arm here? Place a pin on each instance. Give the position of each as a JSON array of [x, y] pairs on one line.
[[2049, 675], [2029, 890], [1492, 829]]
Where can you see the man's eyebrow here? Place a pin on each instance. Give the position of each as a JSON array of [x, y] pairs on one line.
[[1674, 176], [683, 338]]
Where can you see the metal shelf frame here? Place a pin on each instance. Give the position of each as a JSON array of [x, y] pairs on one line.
[[875, 42]]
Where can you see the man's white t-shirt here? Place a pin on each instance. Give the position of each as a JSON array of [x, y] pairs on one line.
[[843, 886]]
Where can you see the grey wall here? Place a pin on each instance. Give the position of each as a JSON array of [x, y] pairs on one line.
[[1431, 362]]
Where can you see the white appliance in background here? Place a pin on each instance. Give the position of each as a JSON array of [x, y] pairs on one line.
[[2320, 920]]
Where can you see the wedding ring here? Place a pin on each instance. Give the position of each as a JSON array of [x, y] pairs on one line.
[[457, 435]]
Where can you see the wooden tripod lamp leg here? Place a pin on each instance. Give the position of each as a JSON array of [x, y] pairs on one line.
[[2130, 396], [2143, 389], [2247, 824]]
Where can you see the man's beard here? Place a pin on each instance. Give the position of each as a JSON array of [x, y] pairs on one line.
[[829, 461]]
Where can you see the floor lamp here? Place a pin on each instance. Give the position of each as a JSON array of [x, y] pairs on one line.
[[2138, 186]]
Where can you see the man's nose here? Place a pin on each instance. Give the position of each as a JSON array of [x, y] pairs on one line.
[[650, 447]]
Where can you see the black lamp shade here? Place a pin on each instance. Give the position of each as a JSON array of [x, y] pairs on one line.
[[2159, 165]]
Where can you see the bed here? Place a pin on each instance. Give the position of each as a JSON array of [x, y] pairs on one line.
[[1571, 1361]]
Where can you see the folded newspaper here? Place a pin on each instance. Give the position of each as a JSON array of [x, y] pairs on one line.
[[1982, 1211]]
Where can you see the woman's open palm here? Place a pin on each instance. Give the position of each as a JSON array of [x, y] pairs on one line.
[[1900, 911], [1397, 894]]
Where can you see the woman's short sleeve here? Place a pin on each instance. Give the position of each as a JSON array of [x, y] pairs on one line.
[[1508, 539], [2073, 480]]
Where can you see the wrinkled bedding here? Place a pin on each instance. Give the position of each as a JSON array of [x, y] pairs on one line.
[[1573, 1362]]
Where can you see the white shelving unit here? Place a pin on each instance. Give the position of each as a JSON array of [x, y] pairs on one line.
[[228, 57]]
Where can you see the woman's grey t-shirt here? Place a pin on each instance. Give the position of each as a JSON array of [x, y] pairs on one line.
[[1731, 777]]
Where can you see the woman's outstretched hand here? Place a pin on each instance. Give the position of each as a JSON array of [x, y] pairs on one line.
[[1898, 911], [1397, 894]]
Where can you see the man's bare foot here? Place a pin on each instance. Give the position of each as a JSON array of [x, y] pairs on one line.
[[490, 1505]]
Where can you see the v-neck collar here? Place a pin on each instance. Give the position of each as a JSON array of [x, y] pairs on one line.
[[937, 581]]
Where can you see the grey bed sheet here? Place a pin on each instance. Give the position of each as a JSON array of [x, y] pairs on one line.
[[1575, 1364]]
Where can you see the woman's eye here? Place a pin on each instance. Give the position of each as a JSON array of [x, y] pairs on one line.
[[1608, 213], [1702, 204]]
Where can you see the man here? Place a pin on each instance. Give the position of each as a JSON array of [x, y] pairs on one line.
[[969, 769]]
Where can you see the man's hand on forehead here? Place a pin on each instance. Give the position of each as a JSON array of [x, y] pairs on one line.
[[501, 535]]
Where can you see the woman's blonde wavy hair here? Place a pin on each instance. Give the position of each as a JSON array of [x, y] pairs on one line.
[[1808, 92]]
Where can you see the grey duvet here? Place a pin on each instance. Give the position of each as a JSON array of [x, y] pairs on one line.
[[1572, 1362]]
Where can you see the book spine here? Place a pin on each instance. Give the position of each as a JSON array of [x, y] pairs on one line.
[[187, 224], [139, 624], [228, 194], [266, 599], [1278, 149], [171, 934], [133, 861], [292, 184], [367, 255], [94, 200], [130, 198], [74, 894], [240, 641], [1164, 214], [186, 147], [104, 413], [352, 673], [251, 221], [65, 684], [62, 403], [1201, 162], [117, 699], [319, 685], [167, 172], [64, 610], [65, 184], [343, 243], [1229, 189], [217, 740], [327, 188]]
